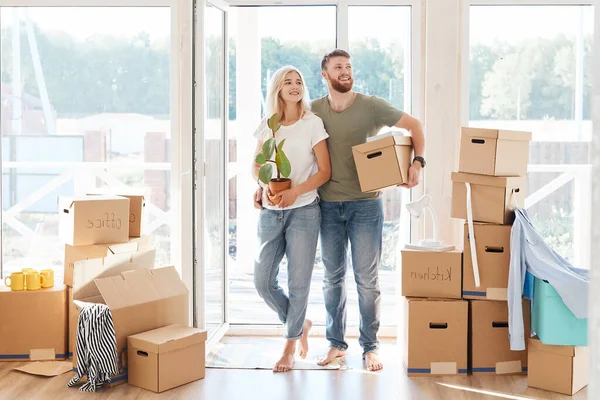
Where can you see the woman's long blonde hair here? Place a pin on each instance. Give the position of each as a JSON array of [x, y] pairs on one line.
[[275, 103]]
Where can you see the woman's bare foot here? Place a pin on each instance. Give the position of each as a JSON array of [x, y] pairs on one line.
[[332, 354], [286, 362], [303, 348], [372, 362]]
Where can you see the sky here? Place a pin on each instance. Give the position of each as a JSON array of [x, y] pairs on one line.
[[291, 23]]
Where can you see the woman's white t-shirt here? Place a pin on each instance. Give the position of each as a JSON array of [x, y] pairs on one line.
[[300, 137]]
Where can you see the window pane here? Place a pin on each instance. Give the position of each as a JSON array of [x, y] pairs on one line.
[[536, 76], [381, 64], [85, 104], [267, 43]]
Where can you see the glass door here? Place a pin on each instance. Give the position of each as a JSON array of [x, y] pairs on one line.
[[214, 194]]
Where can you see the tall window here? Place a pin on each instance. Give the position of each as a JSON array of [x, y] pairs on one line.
[[262, 40], [382, 67], [530, 69], [85, 104]]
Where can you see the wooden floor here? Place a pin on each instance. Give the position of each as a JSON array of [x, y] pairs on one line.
[[354, 383]]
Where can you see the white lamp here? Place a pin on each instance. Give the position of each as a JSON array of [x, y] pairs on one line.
[[416, 209]]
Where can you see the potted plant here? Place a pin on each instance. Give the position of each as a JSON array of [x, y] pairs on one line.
[[281, 162]]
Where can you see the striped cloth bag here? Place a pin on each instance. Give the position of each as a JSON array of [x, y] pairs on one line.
[[96, 348]]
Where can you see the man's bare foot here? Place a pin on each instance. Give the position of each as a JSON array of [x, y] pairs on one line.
[[372, 362], [332, 354], [303, 348], [286, 362]]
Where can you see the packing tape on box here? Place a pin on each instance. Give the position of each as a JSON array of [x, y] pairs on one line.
[[500, 294], [41, 354], [508, 367], [443, 368], [472, 236]]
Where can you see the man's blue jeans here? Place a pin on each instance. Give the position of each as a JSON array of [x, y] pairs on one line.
[[361, 224], [294, 233]]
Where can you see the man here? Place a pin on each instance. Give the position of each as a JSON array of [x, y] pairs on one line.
[[348, 214]]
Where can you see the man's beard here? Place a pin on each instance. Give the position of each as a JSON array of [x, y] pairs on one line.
[[341, 87]]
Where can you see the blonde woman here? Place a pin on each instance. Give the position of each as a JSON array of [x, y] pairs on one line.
[[292, 226]]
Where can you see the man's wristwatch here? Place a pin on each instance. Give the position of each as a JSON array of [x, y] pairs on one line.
[[419, 159]]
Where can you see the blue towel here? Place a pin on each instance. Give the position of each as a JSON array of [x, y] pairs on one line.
[[531, 256]]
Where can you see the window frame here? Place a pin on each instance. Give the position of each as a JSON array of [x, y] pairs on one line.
[[181, 17]]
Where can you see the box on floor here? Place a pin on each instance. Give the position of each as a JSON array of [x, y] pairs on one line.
[[140, 299], [167, 357], [93, 220], [491, 197], [561, 369], [494, 152], [98, 251], [383, 162], [432, 274], [492, 245], [33, 324], [436, 340], [490, 351]]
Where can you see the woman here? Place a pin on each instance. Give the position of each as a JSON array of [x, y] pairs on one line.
[[292, 226]]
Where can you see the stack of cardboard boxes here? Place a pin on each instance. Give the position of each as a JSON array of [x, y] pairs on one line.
[[108, 261], [494, 164], [453, 325]]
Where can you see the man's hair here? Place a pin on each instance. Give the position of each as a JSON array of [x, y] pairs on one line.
[[335, 53]]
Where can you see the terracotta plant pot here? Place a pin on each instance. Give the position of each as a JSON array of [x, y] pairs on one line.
[[278, 185]]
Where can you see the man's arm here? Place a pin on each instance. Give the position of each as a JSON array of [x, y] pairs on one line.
[[415, 128]]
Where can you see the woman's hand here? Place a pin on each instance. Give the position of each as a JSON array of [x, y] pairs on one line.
[[258, 198], [288, 197]]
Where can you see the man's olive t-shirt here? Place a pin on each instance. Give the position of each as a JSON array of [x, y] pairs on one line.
[[364, 118]]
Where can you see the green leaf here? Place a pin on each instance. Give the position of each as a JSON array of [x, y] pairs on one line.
[[265, 173], [268, 148], [280, 145], [273, 122], [260, 159], [283, 164]]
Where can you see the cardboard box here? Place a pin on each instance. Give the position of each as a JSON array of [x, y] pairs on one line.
[[136, 206], [33, 324], [382, 163], [436, 343], [93, 220], [93, 251], [490, 347], [432, 274], [167, 357], [492, 244], [552, 321], [140, 300], [561, 369], [494, 152], [491, 197], [88, 270]]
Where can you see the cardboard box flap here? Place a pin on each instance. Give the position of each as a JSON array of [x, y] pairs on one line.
[[384, 142], [86, 272], [66, 203], [515, 135], [497, 181], [140, 286], [569, 351], [497, 134], [167, 339]]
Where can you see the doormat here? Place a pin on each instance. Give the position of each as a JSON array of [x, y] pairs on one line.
[[263, 355]]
